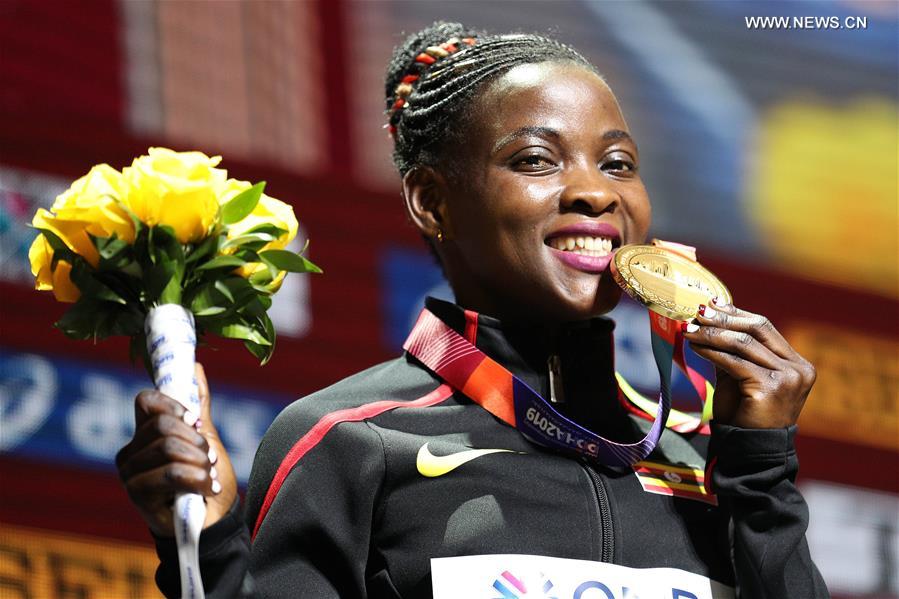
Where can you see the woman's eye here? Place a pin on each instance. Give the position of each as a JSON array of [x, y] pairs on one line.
[[619, 165], [534, 162]]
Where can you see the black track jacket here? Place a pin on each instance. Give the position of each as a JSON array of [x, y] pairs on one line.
[[350, 514]]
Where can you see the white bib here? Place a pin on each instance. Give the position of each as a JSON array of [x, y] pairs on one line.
[[525, 576]]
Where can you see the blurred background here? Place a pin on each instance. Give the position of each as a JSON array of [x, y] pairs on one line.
[[773, 150]]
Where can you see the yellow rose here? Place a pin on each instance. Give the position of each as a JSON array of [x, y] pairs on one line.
[[268, 211], [275, 285], [230, 189], [96, 199], [63, 287], [46, 279], [92, 205], [72, 232], [41, 257], [177, 189]]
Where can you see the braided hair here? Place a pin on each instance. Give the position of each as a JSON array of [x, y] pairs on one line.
[[433, 76]]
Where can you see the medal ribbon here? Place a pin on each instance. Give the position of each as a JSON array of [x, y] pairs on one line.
[[468, 369], [677, 420]]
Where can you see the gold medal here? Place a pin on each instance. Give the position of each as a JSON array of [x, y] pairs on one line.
[[667, 282]]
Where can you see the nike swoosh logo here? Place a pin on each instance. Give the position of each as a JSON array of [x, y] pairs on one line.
[[431, 465]]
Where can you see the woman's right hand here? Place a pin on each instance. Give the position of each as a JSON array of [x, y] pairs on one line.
[[167, 456]]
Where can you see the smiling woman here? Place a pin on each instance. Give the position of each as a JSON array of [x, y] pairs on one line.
[[550, 186], [419, 477]]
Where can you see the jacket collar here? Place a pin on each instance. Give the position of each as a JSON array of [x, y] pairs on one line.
[[584, 350]]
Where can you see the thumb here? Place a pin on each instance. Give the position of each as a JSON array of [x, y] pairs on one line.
[[221, 499], [205, 400]]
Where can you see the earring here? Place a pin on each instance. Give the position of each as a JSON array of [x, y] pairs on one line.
[[440, 235]]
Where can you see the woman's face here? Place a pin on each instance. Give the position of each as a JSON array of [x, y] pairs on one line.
[[549, 186]]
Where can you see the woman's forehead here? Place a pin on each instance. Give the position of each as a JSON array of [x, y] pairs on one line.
[[550, 94]]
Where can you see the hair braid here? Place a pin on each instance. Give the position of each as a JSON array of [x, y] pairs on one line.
[[431, 80]]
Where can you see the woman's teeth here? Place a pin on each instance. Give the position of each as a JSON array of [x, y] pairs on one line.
[[590, 246]]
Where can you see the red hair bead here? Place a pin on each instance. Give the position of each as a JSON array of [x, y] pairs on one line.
[[425, 59]]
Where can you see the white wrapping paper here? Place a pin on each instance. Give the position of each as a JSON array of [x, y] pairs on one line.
[[171, 343]]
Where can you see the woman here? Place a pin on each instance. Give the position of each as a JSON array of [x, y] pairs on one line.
[[519, 170]]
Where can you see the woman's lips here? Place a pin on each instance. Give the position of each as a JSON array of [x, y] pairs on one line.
[[583, 262]]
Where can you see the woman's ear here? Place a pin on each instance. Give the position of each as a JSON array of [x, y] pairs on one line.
[[425, 193]]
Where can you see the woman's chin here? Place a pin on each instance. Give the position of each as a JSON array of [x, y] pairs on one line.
[[594, 301]]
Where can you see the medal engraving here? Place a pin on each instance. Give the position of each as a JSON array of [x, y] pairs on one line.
[[665, 281]]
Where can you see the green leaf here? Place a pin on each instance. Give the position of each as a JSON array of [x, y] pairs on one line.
[[230, 262], [268, 229], [115, 254], [222, 287], [262, 352], [242, 205], [241, 331], [211, 311], [83, 277], [126, 286], [261, 278], [205, 248], [166, 268], [171, 293], [231, 294], [213, 298], [255, 309], [240, 289], [269, 327], [109, 247], [289, 261], [251, 241], [77, 322], [89, 318], [60, 249], [203, 298]]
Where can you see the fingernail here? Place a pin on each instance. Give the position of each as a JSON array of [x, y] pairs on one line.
[[216, 487], [213, 457], [198, 424], [190, 419], [689, 327], [213, 473], [719, 302], [707, 312]]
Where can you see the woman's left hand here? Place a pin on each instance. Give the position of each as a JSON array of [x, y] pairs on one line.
[[761, 381]]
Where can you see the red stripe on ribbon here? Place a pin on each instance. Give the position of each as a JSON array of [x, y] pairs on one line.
[[696, 495], [685, 478], [471, 326], [324, 425]]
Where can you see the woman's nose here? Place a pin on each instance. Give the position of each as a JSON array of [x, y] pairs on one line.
[[588, 190]]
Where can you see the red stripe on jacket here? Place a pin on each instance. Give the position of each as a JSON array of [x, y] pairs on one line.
[[324, 425]]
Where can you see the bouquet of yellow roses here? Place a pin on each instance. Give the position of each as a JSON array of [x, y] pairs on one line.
[[163, 251]]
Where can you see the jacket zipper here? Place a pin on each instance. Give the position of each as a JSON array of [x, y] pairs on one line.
[[556, 390], [605, 513]]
